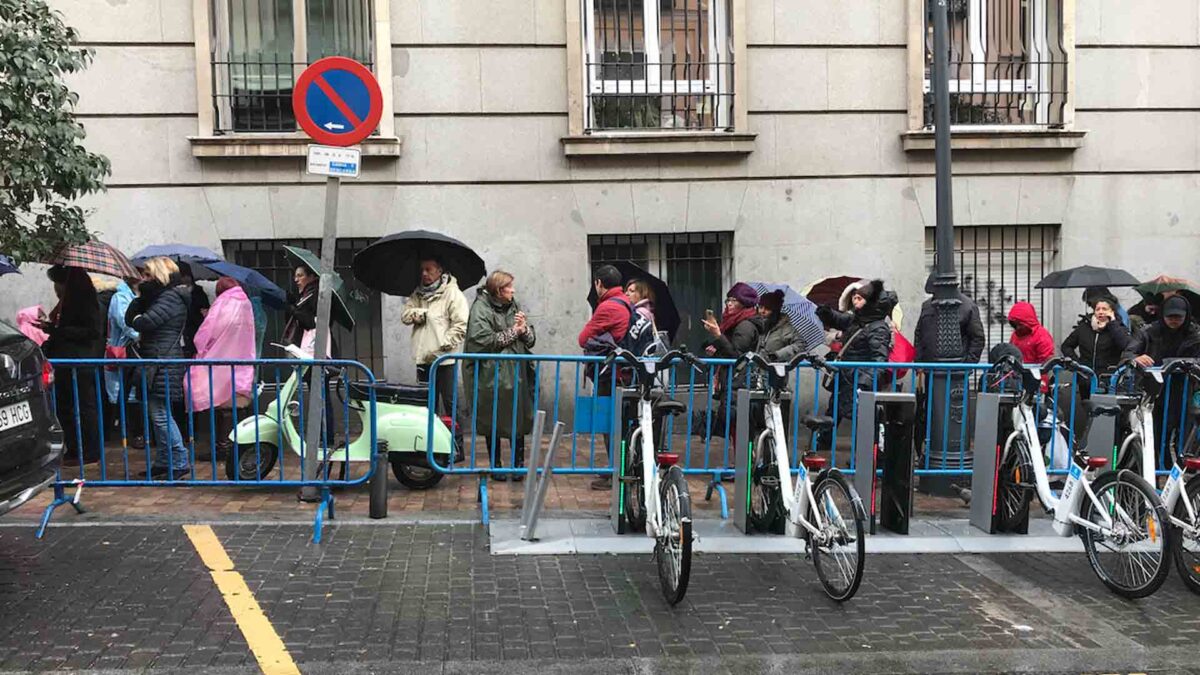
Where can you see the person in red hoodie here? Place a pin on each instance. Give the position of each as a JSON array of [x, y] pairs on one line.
[[1029, 335], [610, 321]]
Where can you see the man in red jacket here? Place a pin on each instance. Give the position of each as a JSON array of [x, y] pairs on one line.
[[611, 317], [612, 309]]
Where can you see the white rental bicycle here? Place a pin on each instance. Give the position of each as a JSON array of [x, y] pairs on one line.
[[829, 514], [1120, 517], [1181, 492], [654, 492]]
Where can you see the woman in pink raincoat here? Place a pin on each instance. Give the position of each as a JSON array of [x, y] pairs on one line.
[[227, 334]]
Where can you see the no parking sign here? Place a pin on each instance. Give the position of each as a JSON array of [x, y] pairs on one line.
[[337, 101]]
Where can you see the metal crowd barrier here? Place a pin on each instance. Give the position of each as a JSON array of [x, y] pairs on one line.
[[1175, 412], [104, 407], [566, 388]]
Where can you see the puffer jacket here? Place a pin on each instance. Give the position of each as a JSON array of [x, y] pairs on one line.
[[1029, 335], [439, 321], [779, 341], [1099, 350], [1160, 342], [159, 315]]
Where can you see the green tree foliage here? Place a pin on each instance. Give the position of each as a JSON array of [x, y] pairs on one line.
[[43, 166]]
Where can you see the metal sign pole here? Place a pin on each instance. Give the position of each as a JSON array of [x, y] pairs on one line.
[[316, 396]]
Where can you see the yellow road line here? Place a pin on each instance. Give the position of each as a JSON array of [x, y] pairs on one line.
[[260, 635]]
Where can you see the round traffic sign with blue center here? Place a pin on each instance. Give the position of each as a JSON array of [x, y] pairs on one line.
[[337, 101]]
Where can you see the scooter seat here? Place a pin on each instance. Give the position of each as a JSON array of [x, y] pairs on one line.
[[387, 392]]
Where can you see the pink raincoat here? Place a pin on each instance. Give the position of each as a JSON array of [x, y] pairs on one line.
[[226, 334], [27, 323]]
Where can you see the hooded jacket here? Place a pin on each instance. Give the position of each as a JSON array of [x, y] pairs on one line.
[[1029, 335], [439, 321], [1160, 342], [868, 336], [970, 327]]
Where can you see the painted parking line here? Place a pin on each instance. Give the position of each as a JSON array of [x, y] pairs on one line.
[[264, 641]]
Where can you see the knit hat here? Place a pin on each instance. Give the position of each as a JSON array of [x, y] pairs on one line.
[[772, 301], [743, 293]]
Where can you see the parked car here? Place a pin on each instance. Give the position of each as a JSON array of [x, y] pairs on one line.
[[31, 440]]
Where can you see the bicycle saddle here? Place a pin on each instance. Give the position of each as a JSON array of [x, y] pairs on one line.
[[1095, 409], [669, 407], [817, 422]]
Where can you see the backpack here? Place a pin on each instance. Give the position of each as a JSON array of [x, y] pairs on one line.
[[639, 337]]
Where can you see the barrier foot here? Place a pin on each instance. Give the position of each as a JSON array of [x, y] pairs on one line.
[[325, 505], [60, 498], [483, 499], [720, 490]]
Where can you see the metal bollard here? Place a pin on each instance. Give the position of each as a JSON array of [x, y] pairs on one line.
[[379, 482], [531, 462], [543, 486]]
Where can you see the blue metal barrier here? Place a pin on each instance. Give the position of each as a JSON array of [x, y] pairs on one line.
[[566, 387], [270, 430], [1175, 412]]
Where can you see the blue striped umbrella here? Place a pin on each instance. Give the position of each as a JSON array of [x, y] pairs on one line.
[[800, 311], [7, 266]]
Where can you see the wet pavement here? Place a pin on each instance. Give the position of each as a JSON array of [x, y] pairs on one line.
[[391, 597]]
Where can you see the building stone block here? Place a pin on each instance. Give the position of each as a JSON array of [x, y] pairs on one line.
[[812, 145], [863, 22], [1138, 141], [469, 22], [137, 79], [1130, 22], [786, 79], [518, 80], [436, 80], [867, 79], [128, 20]]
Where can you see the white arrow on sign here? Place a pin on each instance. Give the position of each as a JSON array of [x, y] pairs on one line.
[[331, 126]]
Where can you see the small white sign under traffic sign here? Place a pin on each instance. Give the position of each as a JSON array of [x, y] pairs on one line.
[[324, 160]]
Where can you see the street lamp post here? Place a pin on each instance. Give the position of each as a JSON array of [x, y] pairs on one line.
[[946, 429]]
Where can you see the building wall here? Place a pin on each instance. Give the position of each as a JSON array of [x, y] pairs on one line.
[[481, 103]]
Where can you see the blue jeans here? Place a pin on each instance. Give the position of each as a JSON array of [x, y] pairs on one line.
[[169, 451]]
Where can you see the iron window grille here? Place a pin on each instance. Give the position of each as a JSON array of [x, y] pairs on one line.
[[1000, 265], [365, 343], [658, 64], [260, 47], [697, 265], [1008, 63]]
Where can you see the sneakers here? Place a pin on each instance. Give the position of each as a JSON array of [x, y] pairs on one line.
[[163, 473]]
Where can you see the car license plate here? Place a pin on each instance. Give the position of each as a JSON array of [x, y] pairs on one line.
[[15, 415]]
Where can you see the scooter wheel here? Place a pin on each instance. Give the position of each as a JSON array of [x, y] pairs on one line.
[[415, 477], [250, 463]]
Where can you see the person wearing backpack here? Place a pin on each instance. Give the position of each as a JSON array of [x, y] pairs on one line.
[[610, 324]]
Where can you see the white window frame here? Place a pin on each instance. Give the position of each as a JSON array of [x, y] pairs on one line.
[[202, 16], [1038, 52], [653, 84]]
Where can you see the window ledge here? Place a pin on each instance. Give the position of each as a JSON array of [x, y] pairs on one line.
[[280, 145], [999, 138], [654, 143]]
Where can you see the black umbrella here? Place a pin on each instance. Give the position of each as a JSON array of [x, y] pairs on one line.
[[666, 314], [1085, 276], [392, 264]]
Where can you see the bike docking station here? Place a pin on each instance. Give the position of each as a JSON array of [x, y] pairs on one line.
[[619, 456], [743, 476], [1108, 431], [992, 427], [886, 419]]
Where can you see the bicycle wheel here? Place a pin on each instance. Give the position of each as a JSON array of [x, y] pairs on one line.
[[673, 545], [1015, 484], [839, 549], [766, 494], [1186, 549], [633, 496], [1132, 558]]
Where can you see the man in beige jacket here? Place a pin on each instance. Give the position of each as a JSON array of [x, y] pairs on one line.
[[437, 310]]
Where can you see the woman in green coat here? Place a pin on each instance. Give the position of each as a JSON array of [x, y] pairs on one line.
[[498, 326]]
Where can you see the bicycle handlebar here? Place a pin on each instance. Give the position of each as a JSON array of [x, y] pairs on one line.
[[792, 364], [667, 360]]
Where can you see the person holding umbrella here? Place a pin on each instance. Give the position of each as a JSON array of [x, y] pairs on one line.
[[498, 326], [75, 331], [438, 312], [301, 308]]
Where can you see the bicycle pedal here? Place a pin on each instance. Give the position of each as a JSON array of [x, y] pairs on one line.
[[769, 481], [631, 479]]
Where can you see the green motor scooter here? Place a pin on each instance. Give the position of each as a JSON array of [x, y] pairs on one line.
[[401, 420]]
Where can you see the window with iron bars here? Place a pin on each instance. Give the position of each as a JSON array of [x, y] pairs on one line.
[[1008, 63], [365, 343], [698, 266], [260, 47], [658, 65], [999, 265]]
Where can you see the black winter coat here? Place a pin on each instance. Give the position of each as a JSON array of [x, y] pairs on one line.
[[866, 337], [79, 333], [1098, 350], [970, 327], [1160, 342], [160, 315]]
